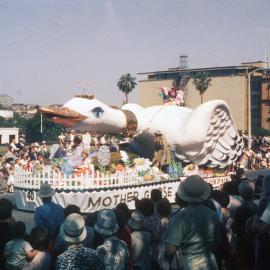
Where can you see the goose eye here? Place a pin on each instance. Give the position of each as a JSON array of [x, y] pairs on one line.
[[98, 112]]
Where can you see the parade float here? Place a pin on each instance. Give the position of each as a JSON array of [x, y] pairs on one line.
[[203, 137]]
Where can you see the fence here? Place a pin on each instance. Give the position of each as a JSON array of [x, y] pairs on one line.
[[95, 180]]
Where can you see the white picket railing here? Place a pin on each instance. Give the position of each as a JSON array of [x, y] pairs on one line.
[[32, 179]]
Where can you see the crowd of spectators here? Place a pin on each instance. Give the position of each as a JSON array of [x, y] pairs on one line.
[[258, 157], [204, 229]]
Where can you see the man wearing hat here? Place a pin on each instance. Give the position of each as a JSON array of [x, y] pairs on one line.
[[194, 230], [111, 249], [140, 241], [77, 256], [50, 215]]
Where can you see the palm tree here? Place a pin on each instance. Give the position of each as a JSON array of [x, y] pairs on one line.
[[201, 82], [126, 84]]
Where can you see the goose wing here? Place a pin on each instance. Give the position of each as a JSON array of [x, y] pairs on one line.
[[211, 136]]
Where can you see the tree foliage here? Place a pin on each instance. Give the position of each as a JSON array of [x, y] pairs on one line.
[[32, 129], [126, 84], [201, 81]]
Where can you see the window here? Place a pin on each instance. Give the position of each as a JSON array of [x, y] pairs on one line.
[[11, 137]]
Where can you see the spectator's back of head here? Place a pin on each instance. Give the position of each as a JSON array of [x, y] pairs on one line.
[[5, 209], [70, 209], [240, 172], [156, 195], [147, 207], [19, 229], [266, 186], [39, 239], [164, 207], [221, 197], [91, 219], [230, 188], [246, 189], [122, 207]]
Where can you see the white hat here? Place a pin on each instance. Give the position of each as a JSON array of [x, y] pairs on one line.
[[194, 189], [45, 191], [73, 229]]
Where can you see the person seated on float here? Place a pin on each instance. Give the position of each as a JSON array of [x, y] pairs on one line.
[[86, 164]]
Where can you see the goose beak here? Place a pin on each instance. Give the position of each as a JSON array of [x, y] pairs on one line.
[[63, 116]]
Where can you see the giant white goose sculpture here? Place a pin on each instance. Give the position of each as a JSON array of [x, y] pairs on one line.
[[205, 135]]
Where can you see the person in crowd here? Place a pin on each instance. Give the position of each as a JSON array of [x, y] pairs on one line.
[[110, 248], [49, 215], [8, 170], [33, 153], [262, 240], [18, 251], [235, 199], [140, 241], [6, 223], [20, 145], [60, 245], [9, 153], [13, 146], [156, 195], [124, 233], [244, 257], [223, 200], [152, 225], [195, 230], [163, 208], [122, 207], [39, 240], [44, 150], [77, 257]]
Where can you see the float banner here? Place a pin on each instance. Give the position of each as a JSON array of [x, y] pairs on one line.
[[93, 200], [96, 200]]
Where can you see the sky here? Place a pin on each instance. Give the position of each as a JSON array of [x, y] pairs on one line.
[[53, 49]]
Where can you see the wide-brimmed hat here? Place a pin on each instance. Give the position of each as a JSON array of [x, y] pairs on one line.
[[194, 189], [106, 222], [136, 220], [246, 188], [73, 229], [45, 191]]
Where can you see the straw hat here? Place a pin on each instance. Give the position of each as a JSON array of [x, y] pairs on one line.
[[194, 189], [73, 229], [136, 221], [45, 191], [106, 222]]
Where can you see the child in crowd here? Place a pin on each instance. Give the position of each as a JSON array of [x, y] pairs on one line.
[[18, 251]]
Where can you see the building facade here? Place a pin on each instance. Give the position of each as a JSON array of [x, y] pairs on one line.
[[8, 134], [228, 83]]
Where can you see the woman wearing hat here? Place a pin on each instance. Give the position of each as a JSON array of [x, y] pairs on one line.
[[111, 249], [194, 230], [77, 257]]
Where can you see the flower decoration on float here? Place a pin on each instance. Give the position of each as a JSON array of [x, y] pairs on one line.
[[104, 155], [142, 165], [125, 157]]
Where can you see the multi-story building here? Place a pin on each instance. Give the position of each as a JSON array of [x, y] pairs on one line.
[[25, 110], [228, 83]]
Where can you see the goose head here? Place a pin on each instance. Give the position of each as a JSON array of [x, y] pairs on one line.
[[85, 113]]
